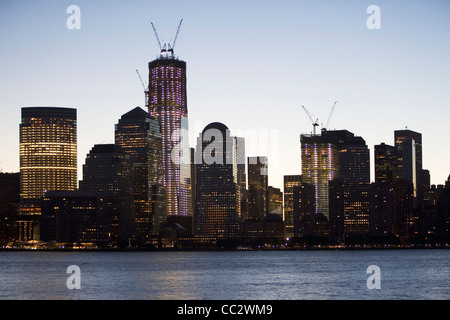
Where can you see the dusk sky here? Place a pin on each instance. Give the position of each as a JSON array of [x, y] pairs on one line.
[[250, 65]]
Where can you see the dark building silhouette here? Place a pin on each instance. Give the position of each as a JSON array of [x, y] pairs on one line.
[[385, 160], [48, 161], [217, 209], [304, 211], [108, 170], [257, 187], [403, 210], [443, 227], [139, 135], [290, 181], [354, 163], [381, 209], [75, 217], [9, 199]]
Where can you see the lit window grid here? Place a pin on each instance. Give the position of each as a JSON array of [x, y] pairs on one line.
[[48, 155]]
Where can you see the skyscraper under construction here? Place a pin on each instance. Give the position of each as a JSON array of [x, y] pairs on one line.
[[167, 103]]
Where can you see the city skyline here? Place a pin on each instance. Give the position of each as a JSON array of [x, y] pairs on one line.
[[327, 54]]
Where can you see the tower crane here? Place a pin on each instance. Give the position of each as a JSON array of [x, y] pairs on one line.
[[167, 47], [314, 123], [145, 88], [329, 116], [171, 48], [157, 38]]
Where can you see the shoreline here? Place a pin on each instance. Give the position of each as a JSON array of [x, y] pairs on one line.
[[306, 248]]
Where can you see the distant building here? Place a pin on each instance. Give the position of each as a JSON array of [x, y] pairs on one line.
[[304, 210], [242, 176], [167, 103], [403, 210], [409, 164], [139, 135], [217, 209], [444, 210], [48, 160], [385, 160], [108, 170], [290, 181], [275, 200], [320, 165], [381, 209], [257, 187], [72, 217], [9, 199]]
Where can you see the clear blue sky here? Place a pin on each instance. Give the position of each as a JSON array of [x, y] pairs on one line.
[[251, 65]]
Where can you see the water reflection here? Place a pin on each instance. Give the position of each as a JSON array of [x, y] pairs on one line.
[[406, 274]]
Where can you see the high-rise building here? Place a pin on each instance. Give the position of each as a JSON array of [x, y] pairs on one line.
[[257, 187], [242, 176], [305, 217], [381, 206], [337, 164], [385, 159], [320, 165], [48, 161], [139, 135], [354, 164], [9, 198], [108, 170], [217, 210], [409, 165], [274, 201], [290, 181], [403, 209], [167, 103], [48, 151]]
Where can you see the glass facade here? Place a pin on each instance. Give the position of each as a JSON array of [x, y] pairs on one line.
[[257, 187], [320, 164], [108, 171], [168, 104], [139, 135], [290, 181], [48, 153], [217, 210]]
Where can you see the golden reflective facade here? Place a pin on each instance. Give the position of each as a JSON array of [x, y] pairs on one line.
[[48, 151]]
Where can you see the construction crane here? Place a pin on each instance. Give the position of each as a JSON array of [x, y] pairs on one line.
[[314, 123], [329, 116], [157, 38], [140, 78], [171, 48], [167, 47], [145, 88]]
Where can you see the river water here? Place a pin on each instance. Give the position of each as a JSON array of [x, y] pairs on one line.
[[216, 275]]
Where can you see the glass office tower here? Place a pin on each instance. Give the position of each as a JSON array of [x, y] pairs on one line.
[[217, 209], [167, 103], [139, 135], [48, 153], [320, 165]]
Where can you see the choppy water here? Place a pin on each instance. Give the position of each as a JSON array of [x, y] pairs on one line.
[[278, 275]]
